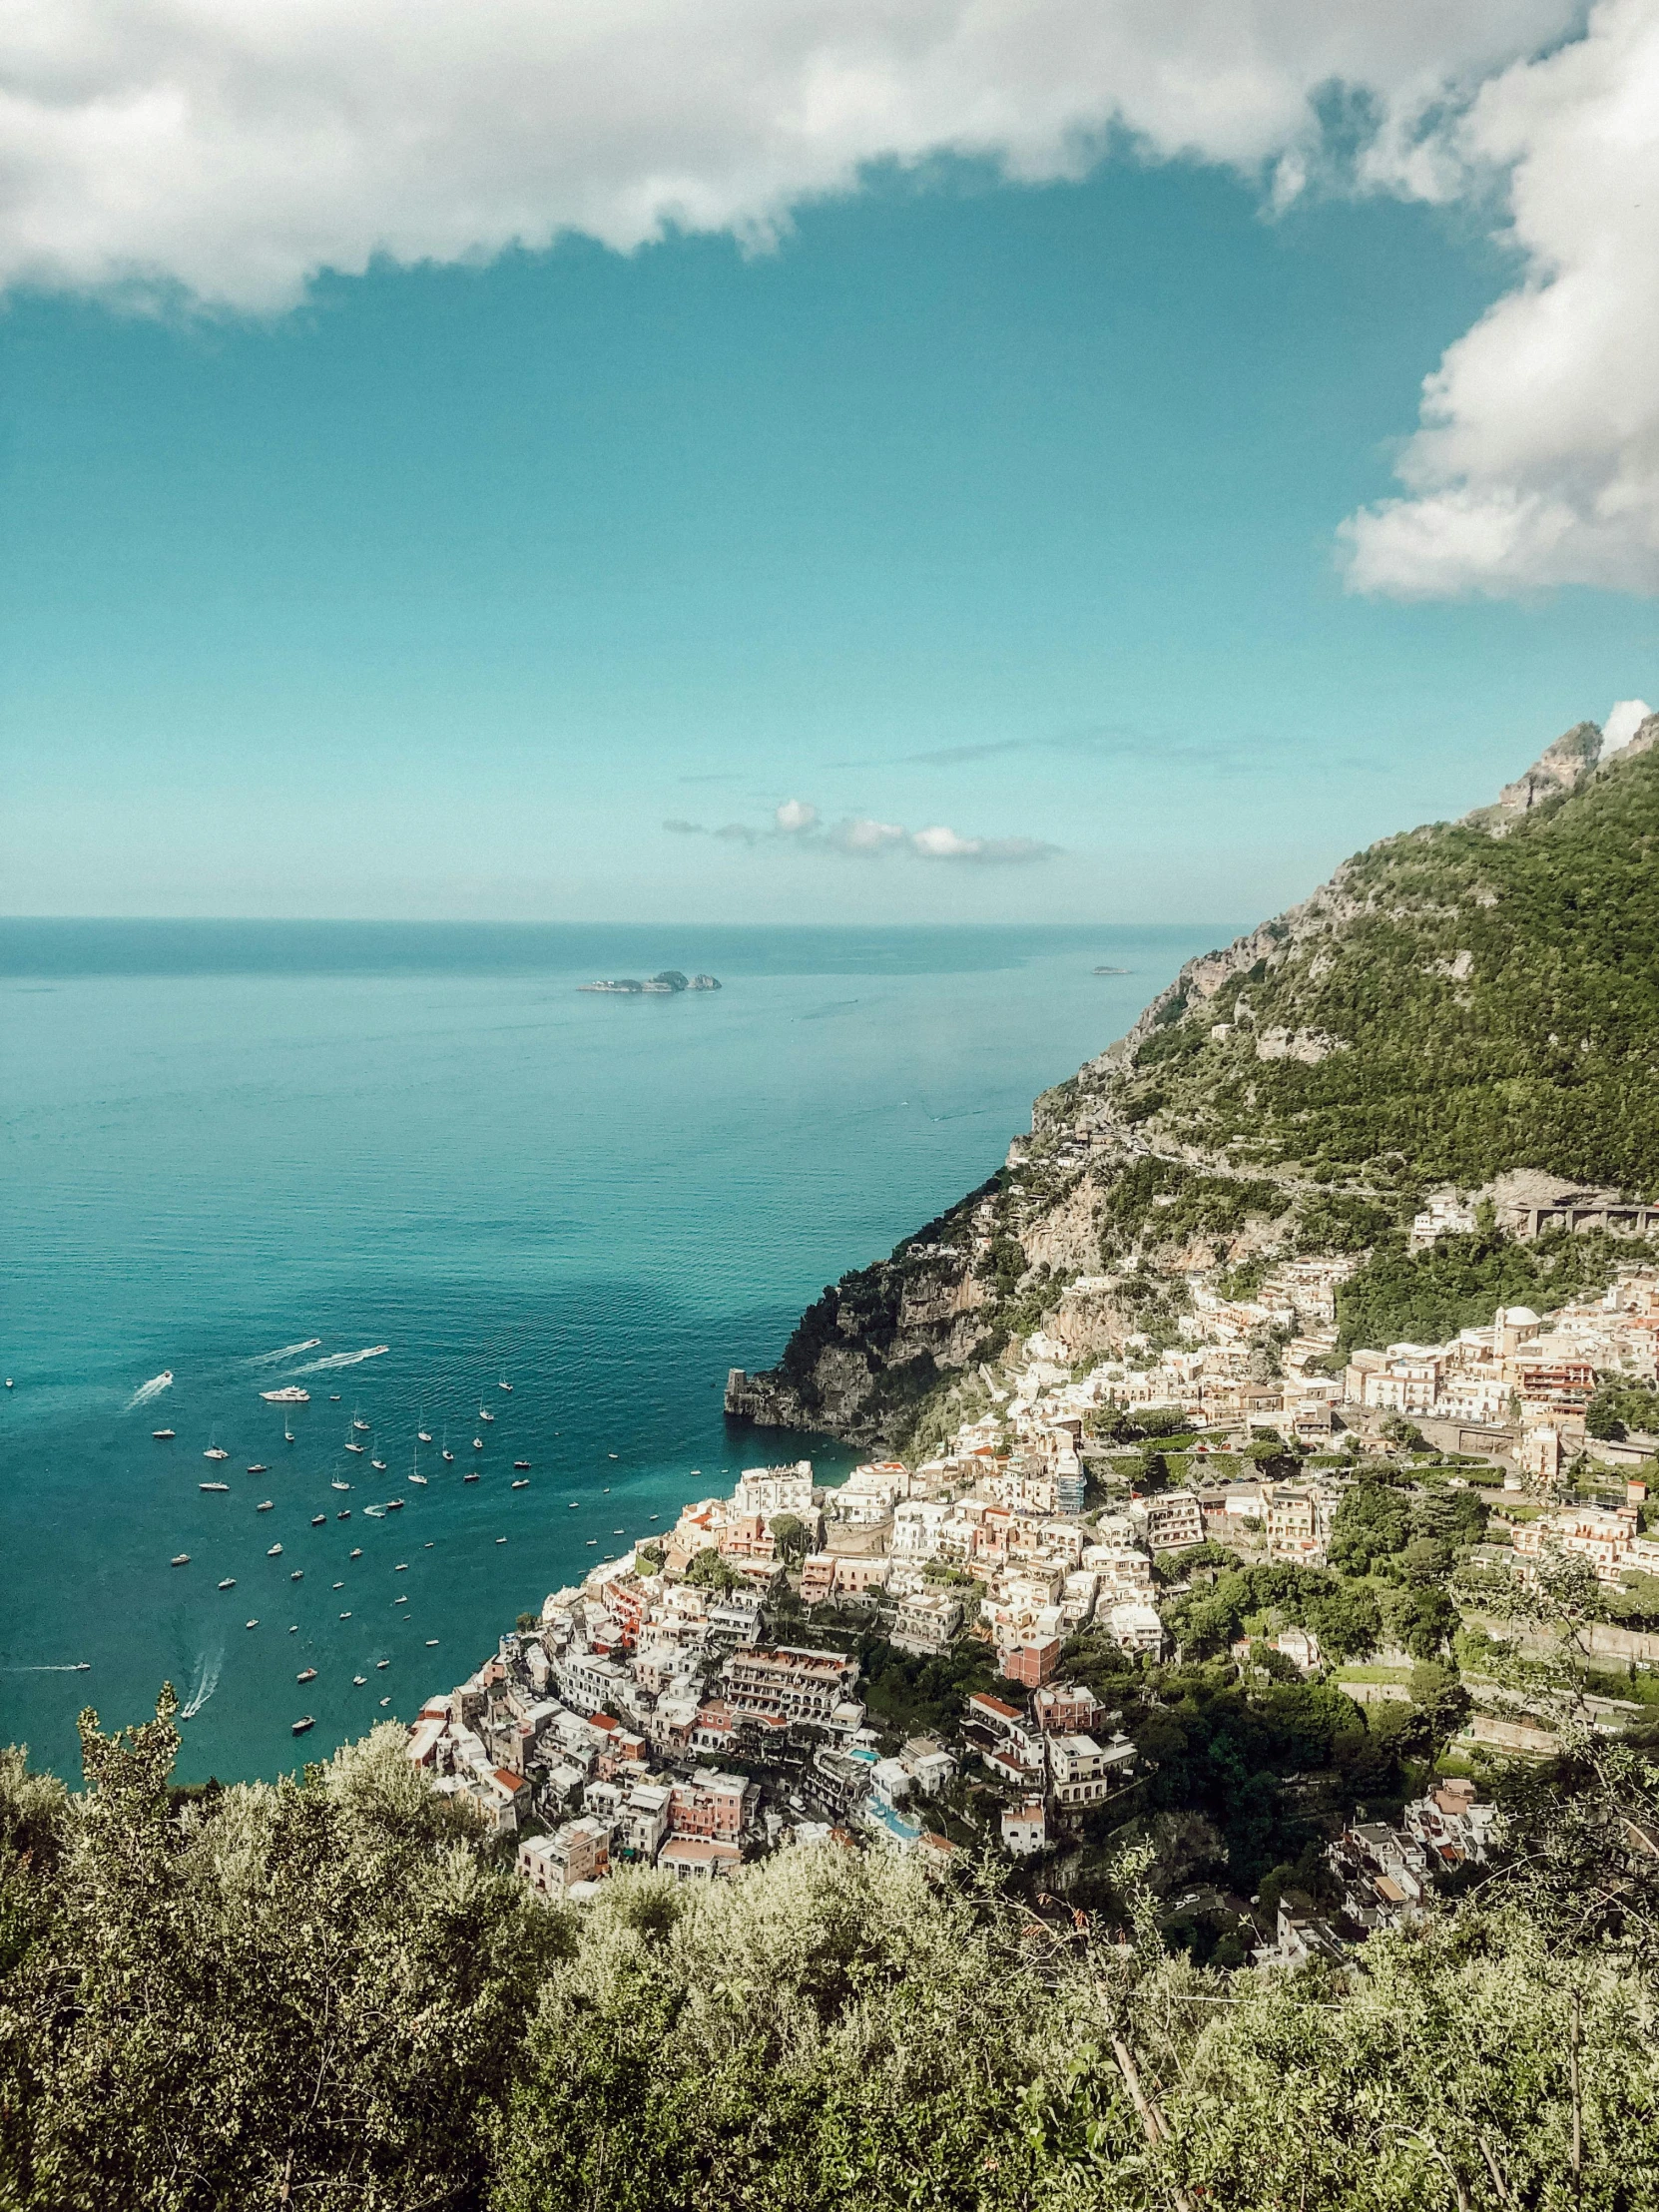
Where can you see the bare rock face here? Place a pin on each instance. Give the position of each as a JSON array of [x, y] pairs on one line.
[[1559, 768]]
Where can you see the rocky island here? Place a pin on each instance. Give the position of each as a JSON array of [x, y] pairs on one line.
[[661, 985]]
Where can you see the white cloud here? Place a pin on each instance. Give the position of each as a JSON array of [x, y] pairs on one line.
[[1537, 462], [226, 150], [865, 835], [234, 148], [795, 821], [1622, 724]]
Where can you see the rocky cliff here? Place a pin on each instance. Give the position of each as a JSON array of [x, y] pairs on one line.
[[1456, 1004]]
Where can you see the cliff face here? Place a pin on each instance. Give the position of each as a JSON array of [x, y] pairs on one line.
[[1456, 1004]]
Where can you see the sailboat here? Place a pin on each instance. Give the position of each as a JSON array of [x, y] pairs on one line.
[[351, 1443], [415, 1474], [503, 1384], [483, 1416], [357, 1420], [422, 1433]]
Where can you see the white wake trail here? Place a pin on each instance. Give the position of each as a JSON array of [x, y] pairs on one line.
[[288, 1352], [153, 1388], [342, 1360], [207, 1681], [72, 1666]]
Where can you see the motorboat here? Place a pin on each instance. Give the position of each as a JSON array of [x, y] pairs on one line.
[[521, 1482], [298, 1575], [306, 1674], [394, 1505], [345, 1616], [357, 1552], [477, 1443], [265, 1505], [228, 1583], [289, 1394], [181, 1559], [382, 1662], [299, 1727], [402, 1567], [276, 1553], [374, 1512], [250, 1624], [317, 1519], [259, 1468], [212, 1486], [215, 1452], [472, 1477], [344, 1514], [357, 1681], [163, 1436], [522, 1465]]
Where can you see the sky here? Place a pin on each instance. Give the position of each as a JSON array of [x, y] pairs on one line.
[[969, 461]]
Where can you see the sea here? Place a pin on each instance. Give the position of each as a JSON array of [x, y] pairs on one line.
[[416, 1171]]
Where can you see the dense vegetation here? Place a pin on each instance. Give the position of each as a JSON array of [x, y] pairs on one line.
[[324, 1992], [1481, 1004], [1425, 1297]]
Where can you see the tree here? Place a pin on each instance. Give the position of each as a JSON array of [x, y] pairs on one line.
[[789, 1533], [709, 1571]]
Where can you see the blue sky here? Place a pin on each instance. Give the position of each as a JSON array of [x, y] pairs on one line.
[[1008, 508]]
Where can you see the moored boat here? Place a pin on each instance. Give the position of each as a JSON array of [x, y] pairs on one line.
[[306, 1674], [317, 1519], [181, 1559], [523, 1465], [163, 1436], [521, 1482], [276, 1553], [289, 1394], [301, 1726], [212, 1486], [259, 1468], [472, 1477], [228, 1583]]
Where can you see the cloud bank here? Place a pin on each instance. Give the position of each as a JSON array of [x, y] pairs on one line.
[[796, 822], [224, 151]]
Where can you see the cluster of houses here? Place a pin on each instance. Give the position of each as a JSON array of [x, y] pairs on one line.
[[1382, 1874]]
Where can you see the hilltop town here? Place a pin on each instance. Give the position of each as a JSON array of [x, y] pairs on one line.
[[973, 1650]]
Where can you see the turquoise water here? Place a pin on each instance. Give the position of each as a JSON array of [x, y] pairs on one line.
[[227, 1138]]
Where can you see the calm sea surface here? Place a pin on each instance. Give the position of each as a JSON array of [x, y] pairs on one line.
[[223, 1138]]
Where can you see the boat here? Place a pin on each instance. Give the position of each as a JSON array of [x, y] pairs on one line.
[[359, 1552], [265, 1505], [656, 1516], [394, 1505], [228, 1583], [482, 1415], [289, 1394], [163, 1436], [181, 1559], [432, 1643], [287, 1432], [477, 1443], [402, 1567], [472, 1477], [276, 1553], [250, 1624], [613, 1456], [420, 1480], [503, 1384], [259, 1468], [81, 1666], [447, 1454], [354, 1447], [317, 1519], [212, 1486], [593, 1542], [299, 1727], [573, 1504], [298, 1575], [523, 1465], [501, 1539], [306, 1674], [344, 1514], [345, 1616], [424, 1436], [521, 1482], [403, 1600], [215, 1452], [333, 1397], [338, 1484], [618, 1532], [385, 1701], [382, 1662], [357, 1681], [379, 1466], [357, 1422]]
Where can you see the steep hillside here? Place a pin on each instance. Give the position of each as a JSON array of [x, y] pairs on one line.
[[1472, 1003]]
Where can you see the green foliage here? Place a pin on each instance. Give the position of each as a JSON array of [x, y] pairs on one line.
[[1341, 1615], [789, 1533], [709, 1571], [1400, 1297], [916, 1693], [1617, 1408]]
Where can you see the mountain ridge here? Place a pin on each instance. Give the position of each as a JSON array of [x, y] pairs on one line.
[[1463, 1003]]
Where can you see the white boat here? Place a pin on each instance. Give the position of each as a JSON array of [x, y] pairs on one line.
[[357, 1420], [228, 1583], [354, 1447], [477, 1443], [276, 1553], [379, 1466], [522, 1482], [357, 1681], [289, 1394], [419, 1479], [338, 1484], [212, 1486], [215, 1451], [447, 1454], [503, 1384], [483, 1416], [424, 1436]]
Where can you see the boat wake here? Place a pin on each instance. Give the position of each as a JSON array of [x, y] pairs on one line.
[[342, 1360], [288, 1352], [153, 1388], [68, 1666], [207, 1681]]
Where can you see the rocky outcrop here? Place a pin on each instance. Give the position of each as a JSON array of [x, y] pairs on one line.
[[1559, 768]]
